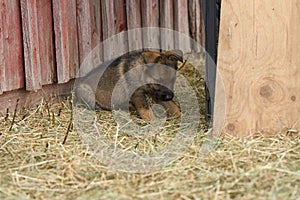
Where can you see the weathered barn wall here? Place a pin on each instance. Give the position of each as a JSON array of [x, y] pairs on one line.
[[11, 57], [44, 42], [259, 63], [66, 39], [38, 45]]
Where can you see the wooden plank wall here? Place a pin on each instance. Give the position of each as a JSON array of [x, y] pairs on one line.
[[259, 63], [180, 25], [44, 42], [89, 24], [150, 18], [133, 14], [11, 57], [38, 43], [66, 39]]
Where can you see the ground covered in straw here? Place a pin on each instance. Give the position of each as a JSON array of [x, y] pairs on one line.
[[35, 164], [43, 157]]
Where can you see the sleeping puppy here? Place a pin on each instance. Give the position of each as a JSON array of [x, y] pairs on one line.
[[126, 82]]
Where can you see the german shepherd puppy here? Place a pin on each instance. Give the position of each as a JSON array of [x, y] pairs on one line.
[[126, 82]]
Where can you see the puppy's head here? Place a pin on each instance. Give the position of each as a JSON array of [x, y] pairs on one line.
[[161, 73], [172, 57], [169, 58]]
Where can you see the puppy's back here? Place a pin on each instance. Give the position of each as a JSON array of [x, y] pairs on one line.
[[97, 86]]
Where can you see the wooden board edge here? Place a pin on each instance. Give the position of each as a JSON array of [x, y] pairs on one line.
[[52, 93]]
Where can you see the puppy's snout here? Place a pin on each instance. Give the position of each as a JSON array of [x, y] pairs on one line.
[[169, 96], [164, 96]]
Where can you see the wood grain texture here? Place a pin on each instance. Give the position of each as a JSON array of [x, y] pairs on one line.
[[166, 21], [150, 18], [57, 36], [259, 62], [181, 24], [52, 93], [66, 39], [196, 24], [11, 58], [89, 34], [38, 43], [114, 22], [31, 45], [46, 41], [133, 15]]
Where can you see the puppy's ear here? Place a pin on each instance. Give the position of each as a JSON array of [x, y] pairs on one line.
[[174, 55], [151, 57]]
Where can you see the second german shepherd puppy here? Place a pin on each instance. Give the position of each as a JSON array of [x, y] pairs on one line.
[[130, 79]]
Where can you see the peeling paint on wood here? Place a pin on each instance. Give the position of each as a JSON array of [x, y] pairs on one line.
[[11, 57]]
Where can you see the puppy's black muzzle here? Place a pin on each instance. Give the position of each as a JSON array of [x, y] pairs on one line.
[[166, 95]]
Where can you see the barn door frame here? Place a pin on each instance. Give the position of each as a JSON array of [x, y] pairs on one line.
[[211, 11]]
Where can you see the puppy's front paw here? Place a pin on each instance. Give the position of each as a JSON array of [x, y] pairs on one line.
[[145, 114], [172, 109], [177, 114]]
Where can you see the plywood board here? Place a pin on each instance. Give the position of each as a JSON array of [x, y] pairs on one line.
[[259, 63], [11, 58]]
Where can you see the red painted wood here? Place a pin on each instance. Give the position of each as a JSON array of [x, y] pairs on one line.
[[52, 93], [181, 24], [196, 23], [38, 43], [150, 18], [31, 45], [46, 41], [79, 25], [114, 22], [11, 66], [89, 34], [120, 15], [200, 22], [97, 35], [166, 21], [66, 40], [134, 22]]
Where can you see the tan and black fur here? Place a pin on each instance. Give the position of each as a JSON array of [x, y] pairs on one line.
[[132, 78]]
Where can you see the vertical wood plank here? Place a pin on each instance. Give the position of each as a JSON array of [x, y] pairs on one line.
[[133, 10], [97, 35], [166, 21], [120, 16], [181, 24], [114, 22], [84, 20], [150, 18], [211, 15], [200, 35], [66, 40], [11, 69], [31, 45], [89, 34], [196, 23], [46, 41], [192, 19], [258, 60]]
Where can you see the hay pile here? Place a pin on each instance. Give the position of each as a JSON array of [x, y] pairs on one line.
[[42, 157]]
